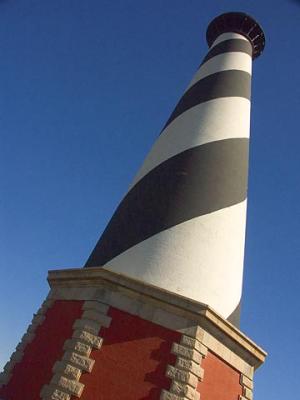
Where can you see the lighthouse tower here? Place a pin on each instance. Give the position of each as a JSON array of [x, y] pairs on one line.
[[154, 313]]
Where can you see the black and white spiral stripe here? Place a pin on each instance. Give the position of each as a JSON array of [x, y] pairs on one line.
[[181, 226]]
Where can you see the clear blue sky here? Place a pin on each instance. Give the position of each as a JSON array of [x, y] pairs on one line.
[[86, 87]]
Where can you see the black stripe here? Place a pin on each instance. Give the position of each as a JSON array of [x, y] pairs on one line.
[[232, 45], [195, 182], [231, 83]]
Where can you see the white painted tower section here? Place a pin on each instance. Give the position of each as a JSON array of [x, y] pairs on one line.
[[202, 257]]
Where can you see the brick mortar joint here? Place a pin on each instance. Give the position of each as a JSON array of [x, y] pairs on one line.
[[76, 357], [18, 354]]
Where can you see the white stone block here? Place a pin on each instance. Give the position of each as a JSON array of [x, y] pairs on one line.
[[247, 393], [195, 344], [189, 365], [89, 338], [186, 352], [69, 385], [79, 361], [182, 376], [245, 381], [67, 369], [181, 389], [78, 347], [197, 396]]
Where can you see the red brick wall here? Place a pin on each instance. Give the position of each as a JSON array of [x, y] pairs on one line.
[[130, 365], [35, 368], [132, 362], [221, 381]]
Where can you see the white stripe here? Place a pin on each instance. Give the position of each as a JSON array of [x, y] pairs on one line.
[[201, 259], [223, 62], [218, 119], [228, 36]]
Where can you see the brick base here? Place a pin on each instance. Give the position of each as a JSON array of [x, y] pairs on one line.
[[105, 336]]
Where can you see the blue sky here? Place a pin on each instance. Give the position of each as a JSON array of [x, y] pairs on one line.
[[86, 87]]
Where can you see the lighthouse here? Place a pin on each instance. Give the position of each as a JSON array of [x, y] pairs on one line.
[[154, 312], [181, 225]]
